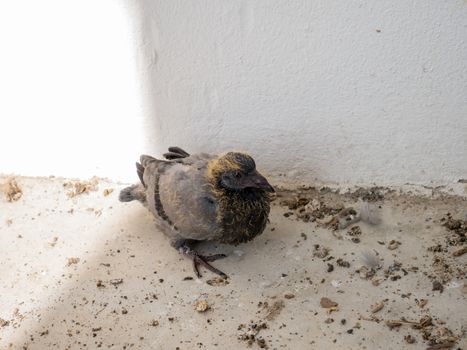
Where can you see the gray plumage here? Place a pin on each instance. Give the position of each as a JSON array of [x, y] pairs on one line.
[[203, 197]]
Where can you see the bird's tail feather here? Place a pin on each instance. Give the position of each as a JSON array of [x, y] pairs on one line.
[[135, 192]]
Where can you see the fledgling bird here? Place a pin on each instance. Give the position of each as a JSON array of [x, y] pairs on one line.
[[203, 197]]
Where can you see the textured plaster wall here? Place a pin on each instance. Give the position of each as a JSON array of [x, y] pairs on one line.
[[354, 92]]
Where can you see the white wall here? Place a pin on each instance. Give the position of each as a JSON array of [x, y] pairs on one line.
[[335, 91]]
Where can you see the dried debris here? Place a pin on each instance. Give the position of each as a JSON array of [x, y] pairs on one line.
[[421, 303], [154, 323], [72, 261], [342, 263], [460, 252], [53, 242], [437, 337], [107, 191], [378, 307], [456, 225], [346, 217], [4, 323], [217, 281], [442, 270], [397, 323], [366, 273], [372, 194], [354, 231], [76, 188], [320, 251], [327, 303], [12, 190], [393, 244], [437, 286], [201, 305], [99, 284], [409, 339], [442, 346], [18, 315]]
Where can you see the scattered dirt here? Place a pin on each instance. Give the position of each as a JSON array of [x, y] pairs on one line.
[[250, 334], [326, 208], [76, 188], [53, 242], [274, 310], [12, 190], [308, 209], [372, 194], [401, 275]]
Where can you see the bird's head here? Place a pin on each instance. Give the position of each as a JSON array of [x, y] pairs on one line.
[[236, 171]]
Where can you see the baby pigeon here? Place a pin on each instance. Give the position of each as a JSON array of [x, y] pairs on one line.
[[203, 197]]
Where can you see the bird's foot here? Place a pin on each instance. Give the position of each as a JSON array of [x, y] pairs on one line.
[[202, 260]]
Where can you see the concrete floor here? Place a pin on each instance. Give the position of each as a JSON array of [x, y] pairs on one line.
[[63, 260]]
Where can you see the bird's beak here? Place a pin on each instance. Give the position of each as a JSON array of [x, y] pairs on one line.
[[257, 180]]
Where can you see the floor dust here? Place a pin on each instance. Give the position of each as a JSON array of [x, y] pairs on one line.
[[80, 270]]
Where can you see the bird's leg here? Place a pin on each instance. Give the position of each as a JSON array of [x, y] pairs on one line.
[[185, 249]]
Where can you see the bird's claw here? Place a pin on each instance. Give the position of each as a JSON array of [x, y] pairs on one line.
[[203, 261]]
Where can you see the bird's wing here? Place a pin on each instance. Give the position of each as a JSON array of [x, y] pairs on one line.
[[179, 193]]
